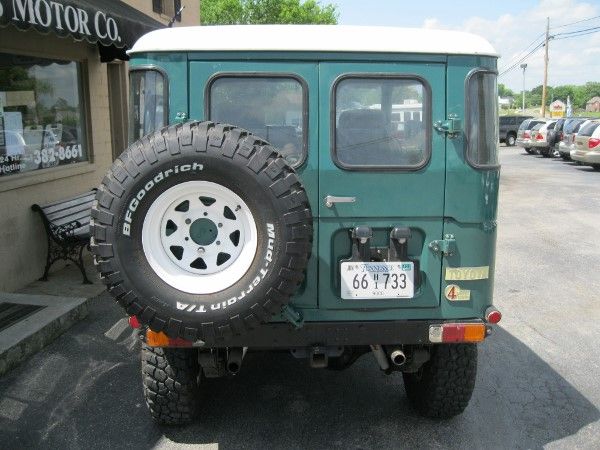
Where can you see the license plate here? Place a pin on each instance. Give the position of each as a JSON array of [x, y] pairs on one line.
[[367, 280]]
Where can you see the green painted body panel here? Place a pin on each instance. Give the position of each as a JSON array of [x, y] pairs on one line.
[[446, 196]]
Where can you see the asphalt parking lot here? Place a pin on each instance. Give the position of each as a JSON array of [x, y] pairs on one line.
[[537, 382]]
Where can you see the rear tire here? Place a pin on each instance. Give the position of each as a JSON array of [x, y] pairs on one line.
[[510, 140], [443, 386], [529, 150], [170, 378]]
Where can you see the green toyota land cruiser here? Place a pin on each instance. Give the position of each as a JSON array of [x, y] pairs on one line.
[[327, 190]]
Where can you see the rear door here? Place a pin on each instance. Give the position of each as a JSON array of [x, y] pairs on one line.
[[384, 165], [272, 100]]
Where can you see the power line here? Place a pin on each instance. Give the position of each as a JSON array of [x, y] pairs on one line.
[[526, 48], [540, 45], [573, 23], [577, 31], [577, 35]]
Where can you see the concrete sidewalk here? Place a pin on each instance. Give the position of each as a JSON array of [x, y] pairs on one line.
[[61, 302]]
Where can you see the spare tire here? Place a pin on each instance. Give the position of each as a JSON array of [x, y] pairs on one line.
[[201, 230]]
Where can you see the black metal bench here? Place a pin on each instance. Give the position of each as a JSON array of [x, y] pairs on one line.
[[67, 224]]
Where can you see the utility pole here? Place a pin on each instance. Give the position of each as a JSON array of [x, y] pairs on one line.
[[544, 86], [523, 66]]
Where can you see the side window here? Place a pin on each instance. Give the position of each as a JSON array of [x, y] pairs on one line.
[[482, 119], [147, 102], [273, 108], [380, 123]]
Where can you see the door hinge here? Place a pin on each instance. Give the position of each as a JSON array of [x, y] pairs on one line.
[[446, 246], [292, 316], [451, 126]]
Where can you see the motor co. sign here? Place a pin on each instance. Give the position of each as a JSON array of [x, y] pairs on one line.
[[79, 19]]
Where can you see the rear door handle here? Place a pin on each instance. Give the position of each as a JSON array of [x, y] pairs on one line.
[[330, 200]]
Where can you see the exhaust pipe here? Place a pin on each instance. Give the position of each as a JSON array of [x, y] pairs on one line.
[[235, 355], [380, 357], [397, 357]]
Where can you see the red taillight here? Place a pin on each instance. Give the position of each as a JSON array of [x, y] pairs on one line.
[[134, 322], [492, 315], [539, 137], [593, 142], [526, 135], [561, 137]]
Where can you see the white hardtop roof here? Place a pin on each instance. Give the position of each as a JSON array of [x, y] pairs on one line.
[[313, 38]]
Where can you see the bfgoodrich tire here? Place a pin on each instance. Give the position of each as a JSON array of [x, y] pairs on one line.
[[170, 378], [201, 230], [443, 387]]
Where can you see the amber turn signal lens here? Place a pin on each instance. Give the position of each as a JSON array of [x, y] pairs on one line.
[[154, 339], [474, 332]]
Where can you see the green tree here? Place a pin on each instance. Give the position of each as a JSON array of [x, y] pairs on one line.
[[503, 91], [230, 12]]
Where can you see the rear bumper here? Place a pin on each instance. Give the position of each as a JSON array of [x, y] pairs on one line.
[[284, 335], [592, 157], [578, 155], [525, 143], [539, 144]]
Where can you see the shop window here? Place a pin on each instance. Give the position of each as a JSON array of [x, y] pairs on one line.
[[482, 119], [147, 97], [273, 108], [167, 7], [380, 123], [42, 119]]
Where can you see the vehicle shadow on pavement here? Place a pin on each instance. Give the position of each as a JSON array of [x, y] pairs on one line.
[[84, 391], [278, 402]]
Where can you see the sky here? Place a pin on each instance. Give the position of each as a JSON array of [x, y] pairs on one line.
[[510, 26]]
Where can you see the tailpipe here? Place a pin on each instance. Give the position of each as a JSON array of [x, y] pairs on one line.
[[380, 357], [235, 356], [397, 357]]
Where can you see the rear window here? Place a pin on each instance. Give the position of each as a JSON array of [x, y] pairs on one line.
[[588, 129], [272, 107], [380, 123], [147, 97], [508, 120], [570, 125], [482, 119]]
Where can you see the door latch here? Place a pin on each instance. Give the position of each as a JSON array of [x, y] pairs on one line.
[[446, 246], [331, 199], [451, 126]]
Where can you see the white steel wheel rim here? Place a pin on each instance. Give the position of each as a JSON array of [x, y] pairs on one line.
[[186, 251]]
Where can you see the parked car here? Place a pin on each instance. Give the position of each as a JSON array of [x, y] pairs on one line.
[[539, 138], [554, 136], [587, 145], [204, 233], [524, 133], [509, 125], [567, 144]]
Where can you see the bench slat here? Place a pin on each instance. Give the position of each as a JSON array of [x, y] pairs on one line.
[[66, 200], [72, 211], [83, 216], [89, 198]]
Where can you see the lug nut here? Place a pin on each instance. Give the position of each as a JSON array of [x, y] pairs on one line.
[[201, 250], [188, 221]]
